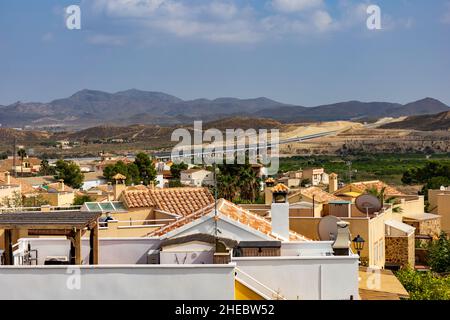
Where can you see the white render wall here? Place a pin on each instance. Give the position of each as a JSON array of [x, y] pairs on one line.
[[305, 278], [111, 250], [214, 282]]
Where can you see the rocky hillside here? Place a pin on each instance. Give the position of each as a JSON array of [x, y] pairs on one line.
[[436, 122]]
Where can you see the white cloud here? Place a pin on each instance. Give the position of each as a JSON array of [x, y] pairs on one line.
[[295, 5], [232, 21], [322, 20]]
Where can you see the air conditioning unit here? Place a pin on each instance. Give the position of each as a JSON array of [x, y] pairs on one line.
[[153, 257]]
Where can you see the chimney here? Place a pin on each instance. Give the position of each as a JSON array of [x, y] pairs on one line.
[[61, 185], [341, 246], [119, 185], [280, 211], [108, 193], [269, 183], [333, 183], [8, 178]]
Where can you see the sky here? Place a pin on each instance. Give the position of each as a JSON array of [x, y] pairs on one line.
[[303, 52]]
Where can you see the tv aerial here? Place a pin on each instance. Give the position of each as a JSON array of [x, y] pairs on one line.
[[328, 228]]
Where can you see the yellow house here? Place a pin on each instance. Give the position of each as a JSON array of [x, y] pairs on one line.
[[57, 194], [139, 210]]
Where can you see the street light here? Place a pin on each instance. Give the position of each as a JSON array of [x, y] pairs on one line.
[[358, 244]]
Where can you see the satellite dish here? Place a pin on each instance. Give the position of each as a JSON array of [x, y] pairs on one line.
[[443, 188], [368, 203], [328, 228]]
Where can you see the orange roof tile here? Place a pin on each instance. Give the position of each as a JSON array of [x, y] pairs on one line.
[[232, 211], [180, 201], [364, 186], [26, 187], [319, 194], [280, 188]]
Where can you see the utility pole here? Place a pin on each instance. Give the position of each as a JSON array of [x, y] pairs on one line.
[[349, 164], [14, 157], [215, 201]]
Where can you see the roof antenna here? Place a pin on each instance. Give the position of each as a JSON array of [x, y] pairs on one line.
[[215, 202]]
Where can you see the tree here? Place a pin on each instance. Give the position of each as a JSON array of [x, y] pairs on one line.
[[128, 170], [434, 183], [46, 169], [16, 200], [176, 169], [22, 154], [80, 200], [423, 175], [305, 182], [381, 195], [424, 285], [146, 169], [70, 172], [238, 183], [439, 254]]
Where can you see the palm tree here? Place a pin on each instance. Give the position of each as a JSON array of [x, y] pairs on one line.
[[22, 154], [381, 195]]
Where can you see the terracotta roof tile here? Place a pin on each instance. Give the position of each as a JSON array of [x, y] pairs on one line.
[[280, 188], [26, 187], [180, 201], [233, 212], [364, 186], [319, 194]]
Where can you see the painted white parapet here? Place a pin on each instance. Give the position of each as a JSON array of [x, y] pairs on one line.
[[305, 278], [120, 282]]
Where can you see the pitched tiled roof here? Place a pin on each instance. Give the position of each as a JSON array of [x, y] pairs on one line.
[[364, 186], [319, 194], [180, 201], [280, 188], [119, 177], [7, 164], [137, 199], [26, 187], [233, 212]]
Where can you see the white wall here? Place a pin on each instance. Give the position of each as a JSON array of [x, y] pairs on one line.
[[227, 230], [330, 278], [118, 282], [111, 251], [306, 248]]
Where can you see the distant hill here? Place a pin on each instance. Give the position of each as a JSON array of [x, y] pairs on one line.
[[435, 122], [354, 110], [88, 108], [242, 123], [127, 133], [7, 136]]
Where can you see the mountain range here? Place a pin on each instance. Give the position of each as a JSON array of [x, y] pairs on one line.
[[433, 122], [89, 108]]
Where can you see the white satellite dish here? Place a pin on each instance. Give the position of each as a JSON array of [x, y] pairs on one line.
[[443, 188], [368, 203], [328, 228]]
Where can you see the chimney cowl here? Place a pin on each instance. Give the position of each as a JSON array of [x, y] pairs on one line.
[[341, 245]]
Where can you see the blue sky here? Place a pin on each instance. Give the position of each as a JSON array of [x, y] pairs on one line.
[[304, 52]]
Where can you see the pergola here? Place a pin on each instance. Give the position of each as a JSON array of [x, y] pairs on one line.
[[72, 224]]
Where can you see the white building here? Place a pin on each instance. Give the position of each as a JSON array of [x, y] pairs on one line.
[[186, 260], [197, 177]]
